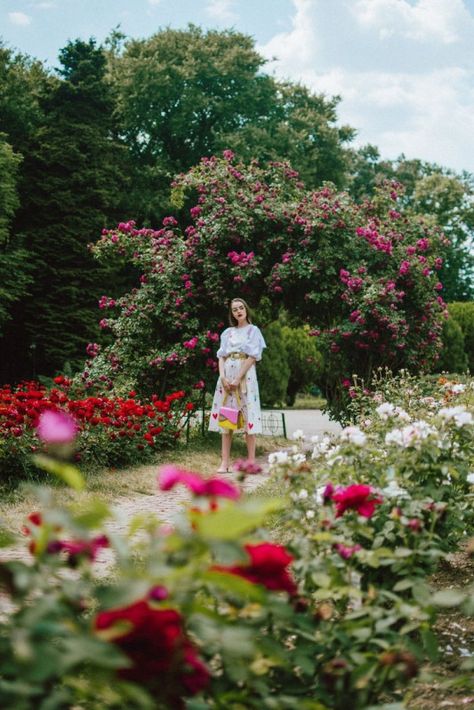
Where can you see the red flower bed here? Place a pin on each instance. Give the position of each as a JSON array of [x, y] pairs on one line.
[[111, 430]]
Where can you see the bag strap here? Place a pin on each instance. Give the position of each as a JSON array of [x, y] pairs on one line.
[[237, 397]]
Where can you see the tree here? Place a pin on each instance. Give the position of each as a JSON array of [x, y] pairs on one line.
[[185, 94], [22, 81], [71, 187], [364, 275], [14, 277]]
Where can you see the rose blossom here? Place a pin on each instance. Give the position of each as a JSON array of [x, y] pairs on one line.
[[170, 476], [358, 497], [162, 655], [268, 567], [56, 427]]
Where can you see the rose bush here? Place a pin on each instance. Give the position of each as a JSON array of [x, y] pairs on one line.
[[112, 430], [364, 277]]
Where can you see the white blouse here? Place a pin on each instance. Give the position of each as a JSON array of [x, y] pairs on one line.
[[248, 340]]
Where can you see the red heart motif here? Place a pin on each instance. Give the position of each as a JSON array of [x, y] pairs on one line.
[[250, 426], [214, 416]]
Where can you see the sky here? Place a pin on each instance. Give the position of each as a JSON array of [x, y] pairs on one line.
[[404, 69]]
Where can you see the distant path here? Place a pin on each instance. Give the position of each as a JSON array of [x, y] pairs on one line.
[[311, 421]]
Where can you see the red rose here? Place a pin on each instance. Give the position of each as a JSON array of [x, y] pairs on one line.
[[268, 567], [356, 497], [164, 659]]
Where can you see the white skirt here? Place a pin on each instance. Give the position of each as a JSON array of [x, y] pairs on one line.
[[249, 399]]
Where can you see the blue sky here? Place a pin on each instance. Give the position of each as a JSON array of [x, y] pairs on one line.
[[403, 68]]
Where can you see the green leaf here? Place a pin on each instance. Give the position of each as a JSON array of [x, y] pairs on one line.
[[403, 584], [234, 584], [65, 471], [321, 579], [430, 643], [448, 597], [6, 538], [232, 521], [93, 515]]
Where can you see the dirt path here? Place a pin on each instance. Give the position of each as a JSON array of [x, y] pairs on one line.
[[165, 505]]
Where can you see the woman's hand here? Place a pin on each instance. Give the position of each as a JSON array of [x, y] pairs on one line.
[[235, 384], [226, 384]]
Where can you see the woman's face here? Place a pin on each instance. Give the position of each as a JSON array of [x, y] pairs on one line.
[[239, 312]]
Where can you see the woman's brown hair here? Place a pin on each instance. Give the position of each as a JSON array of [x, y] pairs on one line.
[[232, 320]]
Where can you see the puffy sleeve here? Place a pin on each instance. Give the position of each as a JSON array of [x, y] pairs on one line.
[[224, 346], [255, 344]]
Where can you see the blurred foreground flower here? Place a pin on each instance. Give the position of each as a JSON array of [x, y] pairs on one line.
[[170, 476], [155, 642], [244, 466], [268, 566], [56, 427]]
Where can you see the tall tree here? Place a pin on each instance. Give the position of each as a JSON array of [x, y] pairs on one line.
[[71, 189], [185, 94], [14, 277]]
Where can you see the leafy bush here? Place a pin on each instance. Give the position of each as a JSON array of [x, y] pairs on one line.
[[452, 356], [463, 314], [304, 359], [274, 369]]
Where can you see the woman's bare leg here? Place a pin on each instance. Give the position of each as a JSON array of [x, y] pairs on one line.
[[251, 443], [226, 446]]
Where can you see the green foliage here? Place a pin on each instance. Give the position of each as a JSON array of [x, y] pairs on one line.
[[71, 186], [23, 81], [14, 277], [453, 356], [274, 369], [304, 359], [185, 94], [463, 314]]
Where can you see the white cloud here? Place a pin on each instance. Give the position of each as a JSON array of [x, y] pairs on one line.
[[46, 5], [425, 20], [154, 2], [404, 71], [221, 10], [19, 18]]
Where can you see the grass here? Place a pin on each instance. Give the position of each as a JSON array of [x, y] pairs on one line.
[[111, 485], [308, 401]]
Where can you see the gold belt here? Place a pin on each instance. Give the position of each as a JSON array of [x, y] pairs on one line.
[[238, 356]]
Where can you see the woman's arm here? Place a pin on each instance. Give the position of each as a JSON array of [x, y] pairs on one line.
[[246, 365], [224, 380]]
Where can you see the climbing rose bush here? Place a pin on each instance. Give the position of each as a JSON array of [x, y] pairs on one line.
[[363, 276]]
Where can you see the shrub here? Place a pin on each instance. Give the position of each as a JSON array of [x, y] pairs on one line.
[[273, 371], [452, 356], [211, 613], [463, 314], [304, 359]]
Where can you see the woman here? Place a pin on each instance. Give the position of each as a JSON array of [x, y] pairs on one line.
[[241, 347]]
